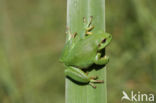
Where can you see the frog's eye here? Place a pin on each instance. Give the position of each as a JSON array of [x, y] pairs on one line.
[[103, 41]]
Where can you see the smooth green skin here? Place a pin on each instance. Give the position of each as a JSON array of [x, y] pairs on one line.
[[80, 52]]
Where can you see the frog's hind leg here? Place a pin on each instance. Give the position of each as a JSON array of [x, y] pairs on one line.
[[101, 60], [78, 75]]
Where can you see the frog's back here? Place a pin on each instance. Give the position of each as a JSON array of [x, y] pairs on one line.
[[83, 53]]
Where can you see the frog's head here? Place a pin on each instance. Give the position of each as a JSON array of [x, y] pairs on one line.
[[105, 39]]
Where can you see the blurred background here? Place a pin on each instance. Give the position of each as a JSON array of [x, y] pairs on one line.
[[32, 35]]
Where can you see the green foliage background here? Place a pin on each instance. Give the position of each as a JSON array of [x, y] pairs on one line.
[[32, 35]]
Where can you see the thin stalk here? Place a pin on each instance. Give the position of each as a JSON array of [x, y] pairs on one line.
[[76, 10]]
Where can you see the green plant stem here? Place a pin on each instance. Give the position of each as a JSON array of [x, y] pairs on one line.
[[76, 10]]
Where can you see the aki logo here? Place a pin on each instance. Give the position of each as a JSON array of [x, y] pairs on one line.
[[138, 97]]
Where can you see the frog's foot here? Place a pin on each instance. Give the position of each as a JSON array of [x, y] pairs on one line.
[[101, 60], [89, 29], [93, 77], [74, 35], [94, 80], [70, 35], [88, 26], [90, 22], [85, 21]]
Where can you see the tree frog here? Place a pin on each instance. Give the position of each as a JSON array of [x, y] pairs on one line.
[[82, 51]]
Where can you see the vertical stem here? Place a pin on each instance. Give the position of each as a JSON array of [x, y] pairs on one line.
[[76, 10]]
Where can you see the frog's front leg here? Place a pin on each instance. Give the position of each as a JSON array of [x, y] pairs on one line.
[[101, 60], [80, 76], [87, 26]]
